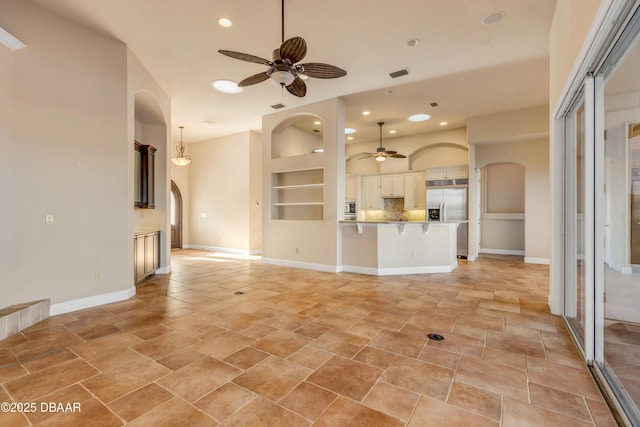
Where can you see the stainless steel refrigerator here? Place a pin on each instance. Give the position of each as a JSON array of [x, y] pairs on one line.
[[450, 204]]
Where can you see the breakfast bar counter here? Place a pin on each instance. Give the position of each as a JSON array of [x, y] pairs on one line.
[[398, 247]]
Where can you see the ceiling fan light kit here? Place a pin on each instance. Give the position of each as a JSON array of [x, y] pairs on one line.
[[181, 159], [381, 153], [283, 68]]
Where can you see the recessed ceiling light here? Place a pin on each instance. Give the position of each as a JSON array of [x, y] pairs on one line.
[[419, 117], [224, 22], [349, 131], [493, 18], [226, 86], [413, 42], [392, 131], [443, 123], [350, 138], [366, 113], [317, 122], [209, 121]]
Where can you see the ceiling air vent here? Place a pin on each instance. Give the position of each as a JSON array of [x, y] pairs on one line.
[[399, 73], [277, 106], [434, 104]]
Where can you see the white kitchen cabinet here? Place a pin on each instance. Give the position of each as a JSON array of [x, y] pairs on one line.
[[371, 197], [351, 183], [414, 190], [392, 185], [450, 172]]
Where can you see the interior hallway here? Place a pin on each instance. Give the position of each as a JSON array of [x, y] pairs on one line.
[[299, 347]]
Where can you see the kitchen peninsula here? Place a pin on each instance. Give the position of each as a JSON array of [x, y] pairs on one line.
[[398, 247]]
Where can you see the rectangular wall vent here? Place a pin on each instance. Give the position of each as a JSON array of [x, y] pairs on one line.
[[399, 73], [434, 104], [277, 106]]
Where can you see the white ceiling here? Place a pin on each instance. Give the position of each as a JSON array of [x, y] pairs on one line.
[[467, 67]]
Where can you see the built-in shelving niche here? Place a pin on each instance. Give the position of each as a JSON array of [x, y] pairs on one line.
[[298, 195]]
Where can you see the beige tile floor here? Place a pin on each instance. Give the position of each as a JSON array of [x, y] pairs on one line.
[[302, 348]]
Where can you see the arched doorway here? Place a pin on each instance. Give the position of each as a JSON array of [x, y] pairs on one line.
[[176, 217]]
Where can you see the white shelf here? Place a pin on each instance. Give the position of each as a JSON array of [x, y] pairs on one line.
[[290, 187], [300, 204]]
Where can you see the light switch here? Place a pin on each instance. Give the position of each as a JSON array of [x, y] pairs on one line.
[[203, 214], [48, 219]]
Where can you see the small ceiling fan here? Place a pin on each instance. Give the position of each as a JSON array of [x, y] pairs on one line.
[[283, 68], [381, 154]]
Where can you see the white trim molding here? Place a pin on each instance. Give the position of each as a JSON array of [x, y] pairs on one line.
[[373, 271], [543, 261], [501, 251], [303, 265], [245, 252], [92, 301]]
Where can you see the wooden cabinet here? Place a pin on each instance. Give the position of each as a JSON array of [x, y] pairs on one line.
[[144, 176], [298, 195], [146, 249], [414, 190], [371, 197], [392, 185]]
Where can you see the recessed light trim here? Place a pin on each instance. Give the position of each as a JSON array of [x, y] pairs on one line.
[[317, 122], [443, 123], [419, 117], [226, 86], [366, 113], [349, 131], [493, 18], [224, 22], [412, 42], [392, 131], [350, 138]]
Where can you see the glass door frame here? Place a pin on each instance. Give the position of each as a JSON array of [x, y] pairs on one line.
[[606, 46]]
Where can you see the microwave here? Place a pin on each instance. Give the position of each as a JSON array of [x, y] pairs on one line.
[[350, 210]]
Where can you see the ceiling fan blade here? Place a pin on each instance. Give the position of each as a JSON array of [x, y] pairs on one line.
[[293, 49], [297, 88], [398, 156], [391, 152], [251, 80], [246, 57], [319, 70]]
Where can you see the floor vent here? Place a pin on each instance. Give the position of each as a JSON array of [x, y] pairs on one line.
[[435, 337]]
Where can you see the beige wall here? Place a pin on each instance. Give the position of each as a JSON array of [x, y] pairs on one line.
[[520, 136], [444, 148], [222, 194], [71, 97], [317, 242], [571, 23], [67, 97]]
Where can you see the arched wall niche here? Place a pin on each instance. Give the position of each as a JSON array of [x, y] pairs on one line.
[[440, 154], [298, 135]]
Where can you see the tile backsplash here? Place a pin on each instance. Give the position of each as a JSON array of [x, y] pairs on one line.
[[394, 211]]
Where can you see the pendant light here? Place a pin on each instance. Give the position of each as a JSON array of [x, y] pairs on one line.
[[181, 159]]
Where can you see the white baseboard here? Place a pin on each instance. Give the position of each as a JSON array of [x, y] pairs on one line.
[[373, 271], [625, 269], [472, 257], [500, 251], [244, 252], [92, 301], [164, 270], [299, 264], [544, 261]]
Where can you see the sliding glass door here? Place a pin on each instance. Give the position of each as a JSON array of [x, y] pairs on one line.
[[602, 214]]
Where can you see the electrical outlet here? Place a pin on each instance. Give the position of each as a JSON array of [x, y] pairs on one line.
[[297, 250], [97, 276], [48, 219]]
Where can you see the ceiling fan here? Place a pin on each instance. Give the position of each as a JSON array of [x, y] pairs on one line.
[[283, 68], [381, 154]]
